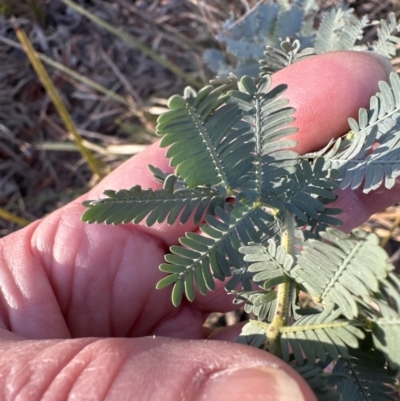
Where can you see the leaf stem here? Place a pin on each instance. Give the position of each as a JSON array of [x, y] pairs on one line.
[[283, 297]]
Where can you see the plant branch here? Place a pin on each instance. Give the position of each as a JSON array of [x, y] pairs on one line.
[[283, 297]]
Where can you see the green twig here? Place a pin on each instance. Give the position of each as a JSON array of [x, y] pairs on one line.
[[282, 300], [136, 44]]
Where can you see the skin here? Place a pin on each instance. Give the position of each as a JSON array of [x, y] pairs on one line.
[[80, 318]]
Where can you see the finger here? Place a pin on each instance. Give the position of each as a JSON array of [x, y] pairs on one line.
[[101, 279], [145, 369], [134, 171], [328, 89], [358, 207], [62, 279], [324, 117], [325, 90]]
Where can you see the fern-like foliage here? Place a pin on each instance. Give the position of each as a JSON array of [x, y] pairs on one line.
[[276, 59], [319, 336], [269, 270], [264, 213], [386, 336], [253, 334], [270, 262], [268, 121], [261, 303], [199, 129], [339, 30], [232, 227], [265, 26], [136, 204], [359, 162], [306, 193], [387, 41], [342, 269], [246, 38], [366, 377], [317, 379]]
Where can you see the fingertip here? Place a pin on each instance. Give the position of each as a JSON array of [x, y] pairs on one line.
[[382, 60], [328, 89], [256, 383]]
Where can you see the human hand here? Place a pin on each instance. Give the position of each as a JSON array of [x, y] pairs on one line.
[[69, 289]]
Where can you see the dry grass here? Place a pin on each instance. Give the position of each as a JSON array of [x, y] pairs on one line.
[[40, 168]]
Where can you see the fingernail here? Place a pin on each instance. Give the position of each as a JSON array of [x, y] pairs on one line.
[[382, 60], [260, 383]]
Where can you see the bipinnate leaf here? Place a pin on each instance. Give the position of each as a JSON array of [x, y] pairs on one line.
[[289, 52], [305, 193], [387, 41], [360, 163], [342, 268], [269, 262], [339, 30], [252, 334], [266, 25], [390, 289], [261, 303], [318, 336], [385, 332], [289, 21], [270, 268], [268, 122], [153, 206], [366, 377], [204, 145], [213, 255], [246, 38], [317, 379]]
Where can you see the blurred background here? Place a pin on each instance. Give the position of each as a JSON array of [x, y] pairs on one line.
[[114, 69]]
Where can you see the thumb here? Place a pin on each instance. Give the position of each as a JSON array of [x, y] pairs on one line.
[[150, 368]]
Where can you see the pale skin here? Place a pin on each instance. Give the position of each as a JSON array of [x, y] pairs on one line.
[[80, 317]]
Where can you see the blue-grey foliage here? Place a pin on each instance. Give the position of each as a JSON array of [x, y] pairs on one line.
[[263, 211], [365, 377], [246, 38], [357, 158], [263, 28]]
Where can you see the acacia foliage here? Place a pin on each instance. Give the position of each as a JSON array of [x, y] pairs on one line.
[[237, 176]]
